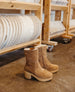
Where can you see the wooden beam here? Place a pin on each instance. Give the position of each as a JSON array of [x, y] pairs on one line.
[[57, 15], [73, 17], [73, 27], [47, 12], [50, 43], [58, 7], [8, 11], [56, 35], [23, 45], [73, 6], [18, 5], [67, 36]]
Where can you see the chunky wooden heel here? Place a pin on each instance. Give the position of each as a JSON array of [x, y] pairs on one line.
[[27, 75]]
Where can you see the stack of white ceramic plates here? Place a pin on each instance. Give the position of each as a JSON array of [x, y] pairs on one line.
[[59, 2], [52, 15], [71, 14], [37, 27], [29, 1], [18, 29], [72, 23], [43, 18], [73, 1], [62, 13], [36, 1], [56, 27]]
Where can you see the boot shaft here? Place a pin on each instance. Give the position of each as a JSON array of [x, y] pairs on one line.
[[42, 50], [31, 56], [42, 54], [32, 63]]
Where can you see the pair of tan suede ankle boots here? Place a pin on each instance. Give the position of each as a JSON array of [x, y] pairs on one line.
[[38, 65]]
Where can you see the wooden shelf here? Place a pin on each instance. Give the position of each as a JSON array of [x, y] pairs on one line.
[[19, 5], [73, 27], [58, 7], [73, 6], [13, 5], [23, 45], [57, 35]]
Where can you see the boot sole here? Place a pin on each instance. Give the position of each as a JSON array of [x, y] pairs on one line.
[[55, 71], [30, 75]]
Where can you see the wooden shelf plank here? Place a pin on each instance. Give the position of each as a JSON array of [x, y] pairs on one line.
[[57, 35], [23, 45], [73, 6], [58, 7], [73, 27], [50, 43], [19, 5]]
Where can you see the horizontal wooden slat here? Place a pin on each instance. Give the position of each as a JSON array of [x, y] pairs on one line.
[[19, 5], [50, 43], [7, 11], [73, 6], [56, 35], [67, 36], [23, 45], [72, 27], [58, 7]]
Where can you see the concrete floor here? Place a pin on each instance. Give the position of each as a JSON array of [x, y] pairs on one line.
[[12, 77]]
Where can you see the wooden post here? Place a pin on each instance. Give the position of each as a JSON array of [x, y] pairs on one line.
[[57, 15], [38, 13], [47, 12], [73, 17], [66, 17], [8, 11], [27, 11]]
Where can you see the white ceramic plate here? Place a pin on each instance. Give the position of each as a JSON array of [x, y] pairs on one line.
[[37, 27], [28, 28], [4, 31], [19, 29], [10, 31], [21, 22], [7, 31], [1, 33], [14, 30]]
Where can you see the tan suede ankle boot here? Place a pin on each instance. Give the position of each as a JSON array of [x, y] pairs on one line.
[[33, 67], [45, 63]]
